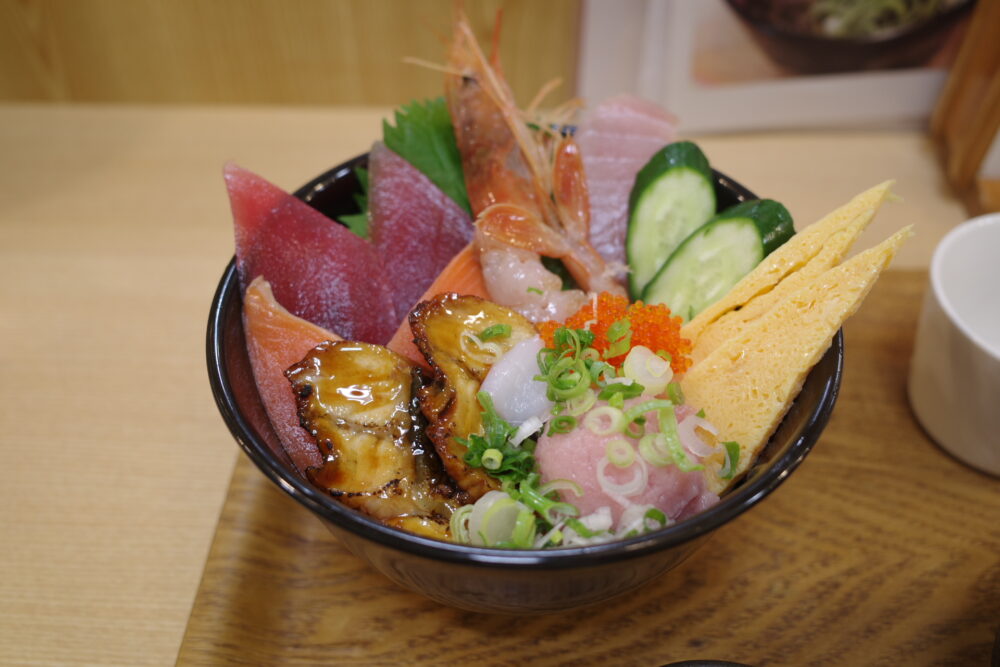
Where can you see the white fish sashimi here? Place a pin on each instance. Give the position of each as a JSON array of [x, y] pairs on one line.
[[616, 139], [516, 395]]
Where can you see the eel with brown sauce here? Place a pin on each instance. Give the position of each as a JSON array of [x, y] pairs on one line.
[[359, 402], [446, 330]]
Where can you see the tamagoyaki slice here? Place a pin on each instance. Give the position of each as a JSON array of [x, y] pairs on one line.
[[747, 384], [794, 264]]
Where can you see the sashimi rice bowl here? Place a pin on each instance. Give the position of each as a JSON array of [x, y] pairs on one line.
[[518, 368]]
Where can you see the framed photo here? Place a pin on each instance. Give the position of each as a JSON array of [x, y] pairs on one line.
[[720, 66]]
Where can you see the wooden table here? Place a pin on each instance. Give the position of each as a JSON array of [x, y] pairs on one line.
[[114, 229]]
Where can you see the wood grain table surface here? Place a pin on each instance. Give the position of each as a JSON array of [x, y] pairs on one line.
[[114, 229], [879, 550]]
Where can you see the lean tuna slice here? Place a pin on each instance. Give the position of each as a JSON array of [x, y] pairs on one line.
[[276, 339], [317, 268], [415, 227], [616, 139]]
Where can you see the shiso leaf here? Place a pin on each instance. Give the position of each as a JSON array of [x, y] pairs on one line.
[[358, 222], [423, 136]]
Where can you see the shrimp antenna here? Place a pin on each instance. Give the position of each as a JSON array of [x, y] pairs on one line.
[[495, 47], [420, 62], [542, 93]]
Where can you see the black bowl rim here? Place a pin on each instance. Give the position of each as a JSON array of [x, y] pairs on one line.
[[326, 507], [946, 15]]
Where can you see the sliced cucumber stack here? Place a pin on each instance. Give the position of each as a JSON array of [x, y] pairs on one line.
[[673, 195], [717, 255]]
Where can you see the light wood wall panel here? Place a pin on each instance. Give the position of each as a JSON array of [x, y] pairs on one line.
[[266, 51]]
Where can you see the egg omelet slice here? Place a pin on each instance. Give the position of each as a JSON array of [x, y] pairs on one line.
[[795, 264], [747, 383]]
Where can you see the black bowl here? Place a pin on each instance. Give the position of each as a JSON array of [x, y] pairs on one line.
[[487, 579], [811, 53]]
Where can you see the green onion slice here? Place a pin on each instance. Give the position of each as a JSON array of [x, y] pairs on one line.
[[578, 405], [459, 524], [620, 452], [732, 459], [605, 420], [668, 427], [653, 448], [561, 484], [495, 331], [562, 424], [492, 458]]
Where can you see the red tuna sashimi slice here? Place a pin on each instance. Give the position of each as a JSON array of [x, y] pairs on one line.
[[616, 139], [416, 228], [276, 339], [317, 268]]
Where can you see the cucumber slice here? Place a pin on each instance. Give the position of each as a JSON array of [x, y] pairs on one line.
[[718, 254], [673, 195]]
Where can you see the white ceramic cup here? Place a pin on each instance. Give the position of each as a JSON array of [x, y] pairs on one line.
[[954, 384]]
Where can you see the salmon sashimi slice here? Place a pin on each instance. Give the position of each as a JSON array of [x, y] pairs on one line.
[[318, 269], [277, 339], [463, 276]]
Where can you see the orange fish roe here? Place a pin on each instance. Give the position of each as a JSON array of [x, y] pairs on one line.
[[652, 326]]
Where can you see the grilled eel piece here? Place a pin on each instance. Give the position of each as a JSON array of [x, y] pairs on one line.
[[358, 401], [446, 330]]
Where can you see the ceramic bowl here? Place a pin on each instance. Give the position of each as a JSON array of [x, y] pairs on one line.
[[954, 380], [489, 579]]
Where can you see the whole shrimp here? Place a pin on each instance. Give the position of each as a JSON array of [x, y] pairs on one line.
[[527, 190]]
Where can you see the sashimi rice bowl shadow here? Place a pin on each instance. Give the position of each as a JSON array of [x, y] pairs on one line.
[[490, 579]]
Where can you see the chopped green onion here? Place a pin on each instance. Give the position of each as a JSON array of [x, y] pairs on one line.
[[498, 521], [668, 427], [577, 405], [700, 413], [617, 401], [561, 485], [620, 452], [492, 458], [619, 338], [654, 514], [459, 524], [525, 527], [516, 462], [619, 330], [732, 459], [625, 390], [530, 494], [636, 411], [653, 448], [579, 528], [666, 355], [605, 420], [599, 368], [635, 429], [562, 424], [534, 290], [675, 393], [495, 331]]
